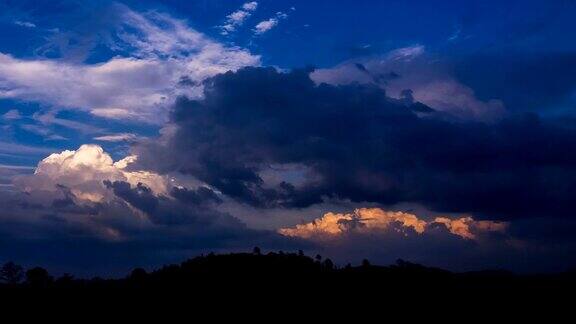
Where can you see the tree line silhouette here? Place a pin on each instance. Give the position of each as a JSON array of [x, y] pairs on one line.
[[284, 271]]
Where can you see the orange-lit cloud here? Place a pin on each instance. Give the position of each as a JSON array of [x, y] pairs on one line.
[[373, 220], [466, 227]]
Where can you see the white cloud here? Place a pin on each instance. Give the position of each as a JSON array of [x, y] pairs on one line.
[[266, 25], [237, 18], [12, 114], [411, 68], [83, 172], [122, 137], [250, 6], [78, 189], [16, 167], [50, 118], [163, 50], [10, 148], [26, 24], [35, 129]]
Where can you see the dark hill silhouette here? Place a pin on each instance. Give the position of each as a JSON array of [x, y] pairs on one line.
[[279, 272]]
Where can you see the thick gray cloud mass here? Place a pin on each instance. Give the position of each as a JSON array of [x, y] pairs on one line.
[[354, 142]]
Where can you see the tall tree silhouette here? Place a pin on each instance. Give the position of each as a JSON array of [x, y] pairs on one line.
[[11, 273], [38, 277]]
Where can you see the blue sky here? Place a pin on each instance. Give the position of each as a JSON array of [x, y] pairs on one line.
[[319, 34], [263, 120]]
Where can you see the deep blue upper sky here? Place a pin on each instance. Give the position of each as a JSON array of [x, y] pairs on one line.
[[323, 33], [316, 33]]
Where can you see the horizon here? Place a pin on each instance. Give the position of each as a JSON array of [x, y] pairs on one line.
[[136, 134]]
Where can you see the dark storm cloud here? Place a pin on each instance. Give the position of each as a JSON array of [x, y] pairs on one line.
[[361, 145], [200, 196], [539, 82], [140, 197], [67, 203], [190, 206]]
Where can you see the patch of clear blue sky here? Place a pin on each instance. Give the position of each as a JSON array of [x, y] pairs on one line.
[[324, 32]]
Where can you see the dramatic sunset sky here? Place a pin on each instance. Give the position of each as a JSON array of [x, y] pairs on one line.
[[139, 133]]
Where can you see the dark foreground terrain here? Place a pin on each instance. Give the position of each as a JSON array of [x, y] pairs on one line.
[[297, 280]]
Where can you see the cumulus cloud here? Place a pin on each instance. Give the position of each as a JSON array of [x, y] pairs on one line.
[[354, 142], [84, 170], [88, 179], [163, 50], [237, 18], [466, 227], [377, 220], [455, 242], [424, 76], [85, 198]]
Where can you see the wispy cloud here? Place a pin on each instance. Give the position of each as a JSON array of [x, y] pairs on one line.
[[51, 118], [12, 114], [26, 24], [16, 167], [266, 25], [238, 17], [122, 137], [10, 148]]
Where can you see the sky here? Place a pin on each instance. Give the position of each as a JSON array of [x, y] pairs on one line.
[[139, 133]]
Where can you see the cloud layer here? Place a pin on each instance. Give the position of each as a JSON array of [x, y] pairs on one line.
[[166, 58], [354, 142], [84, 200], [411, 73]]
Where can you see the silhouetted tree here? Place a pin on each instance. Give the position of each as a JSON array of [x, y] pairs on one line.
[[66, 281], [328, 265], [318, 258], [138, 274], [11, 273], [257, 251], [365, 263], [300, 253], [38, 277], [66, 278]]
